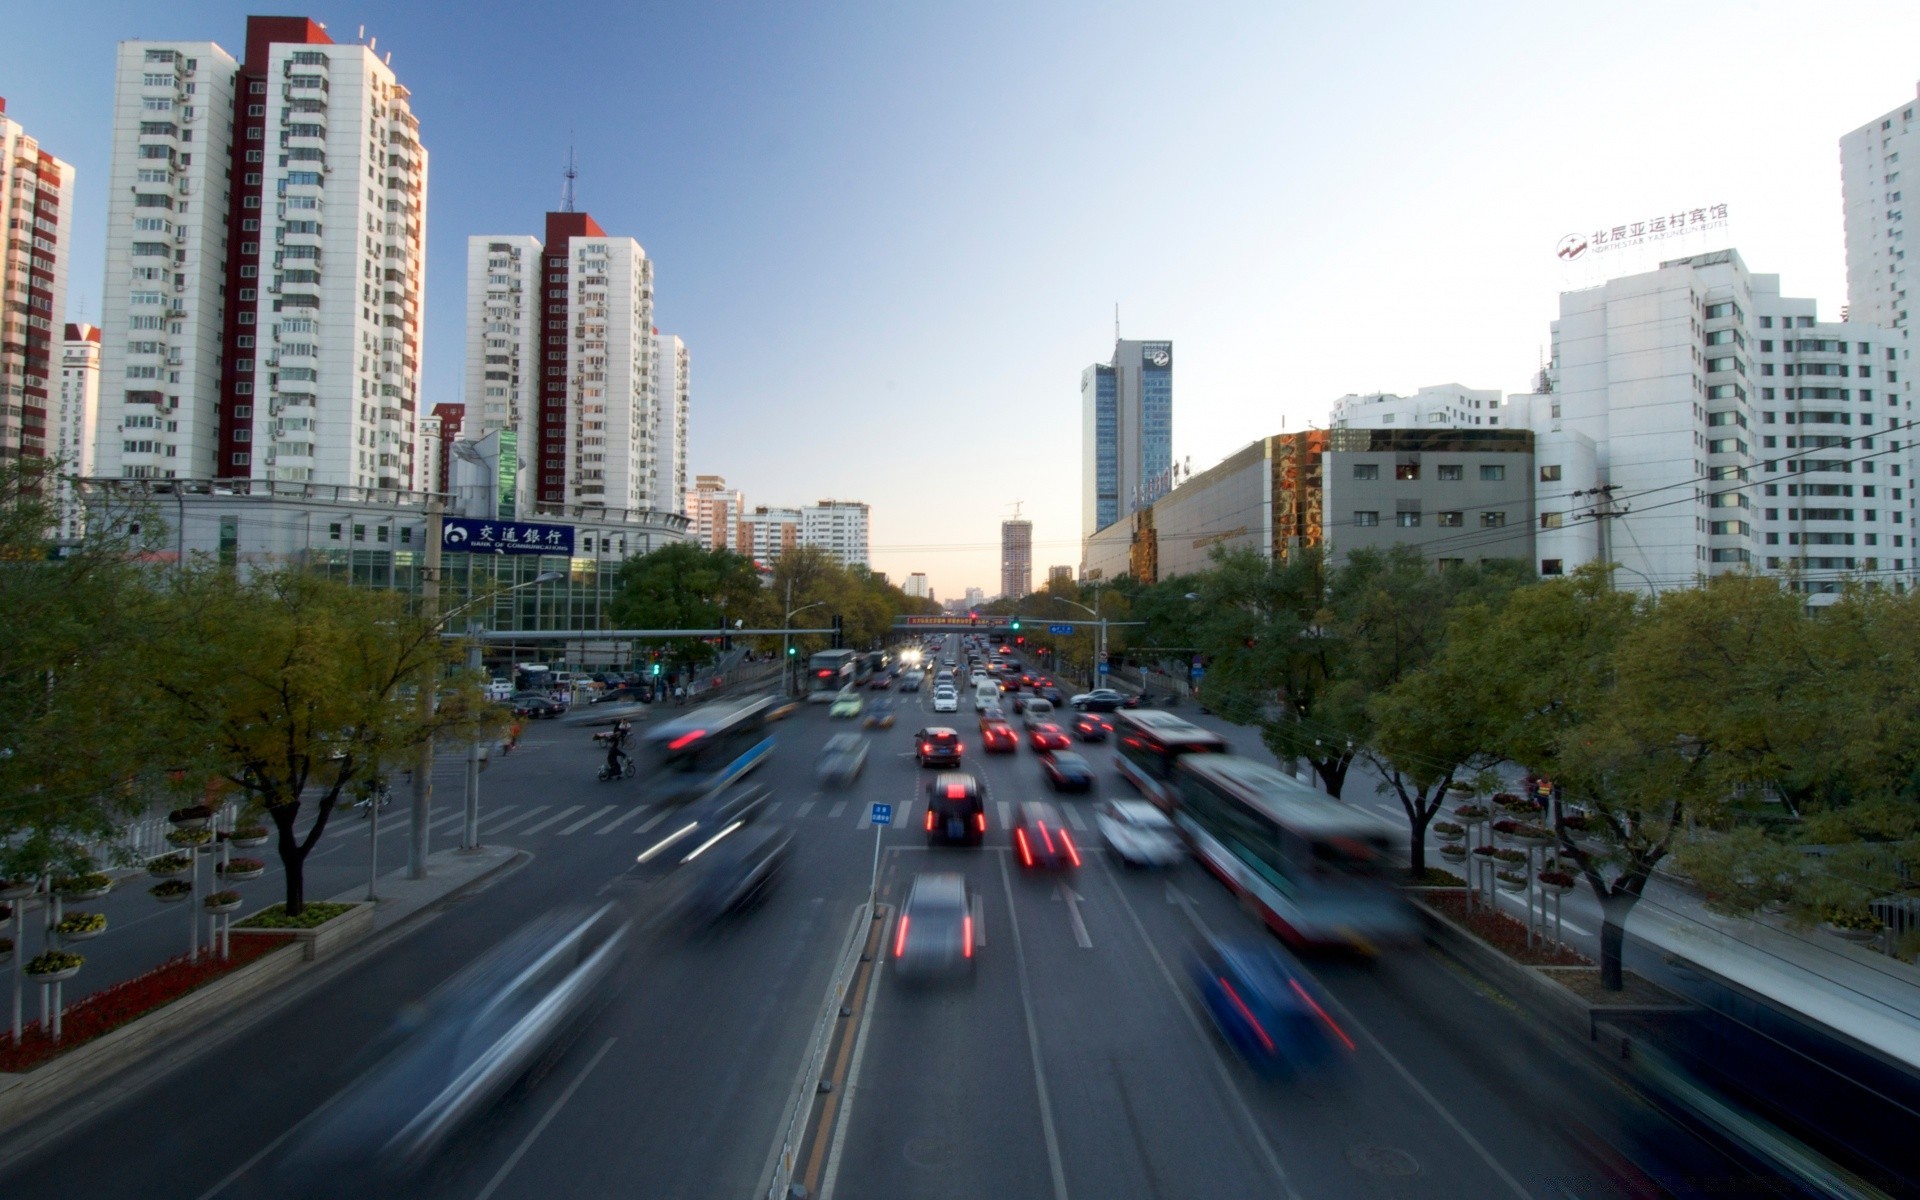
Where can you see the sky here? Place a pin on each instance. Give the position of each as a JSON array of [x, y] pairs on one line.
[[893, 235]]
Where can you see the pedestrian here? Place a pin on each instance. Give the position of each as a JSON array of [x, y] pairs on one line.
[[679, 695], [513, 738]]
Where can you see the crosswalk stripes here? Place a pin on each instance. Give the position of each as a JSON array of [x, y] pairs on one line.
[[585, 821], [839, 806], [1006, 813], [774, 807], [806, 806], [653, 820], [497, 826], [555, 819], [620, 820], [1073, 817]]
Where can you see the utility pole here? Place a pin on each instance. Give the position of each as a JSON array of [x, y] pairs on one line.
[[428, 686], [470, 820], [1603, 514]]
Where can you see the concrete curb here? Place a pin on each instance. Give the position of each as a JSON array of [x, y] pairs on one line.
[[349, 926]]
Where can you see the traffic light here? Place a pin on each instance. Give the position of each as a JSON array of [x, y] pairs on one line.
[[839, 630], [656, 670], [793, 651], [1019, 641], [1016, 625]]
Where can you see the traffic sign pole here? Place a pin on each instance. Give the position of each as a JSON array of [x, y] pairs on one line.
[[882, 817]]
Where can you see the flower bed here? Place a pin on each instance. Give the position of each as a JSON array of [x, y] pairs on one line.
[[275, 916], [109, 1008], [1503, 933]]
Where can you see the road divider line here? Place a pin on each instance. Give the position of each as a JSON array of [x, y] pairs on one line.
[[618, 821], [555, 819], [866, 981], [1054, 1163], [583, 822], [781, 1159], [497, 826], [546, 1119]]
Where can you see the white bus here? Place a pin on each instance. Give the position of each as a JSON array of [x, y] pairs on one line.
[[827, 672], [1151, 742], [1317, 871]]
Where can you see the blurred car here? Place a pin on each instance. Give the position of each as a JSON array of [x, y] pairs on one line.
[[881, 681], [1089, 727], [841, 759], [1045, 736], [879, 715], [910, 681], [1139, 834], [1052, 695], [1067, 771], [536, 706], [945, 700], [1265, 1005], [706, 820], [846, 704], [624, 694], [955, 812], [729, 874], [448, 1057], [938, 746], [998, 737], [934, 936], [1041, 838], [782, 709], [1098, 700], [1036, 711]]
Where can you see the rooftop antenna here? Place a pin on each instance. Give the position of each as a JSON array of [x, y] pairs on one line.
[[1017, 504], [573, 173], [1116, 320]]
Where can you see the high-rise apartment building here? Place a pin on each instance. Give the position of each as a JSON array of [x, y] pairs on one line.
[[1060, 574], [1126, 432], [1721, 427], [265, 259], [36, 217], [917, 585], [504, 330], [715, 511], [1878, 162], [1444, 406], [975, 597], [673, 389], [840, 527], [1016, 558], [766, 533], [73, 425]]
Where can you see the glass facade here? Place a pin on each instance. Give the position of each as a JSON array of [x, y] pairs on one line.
[[1156, 420], [1106, 448]]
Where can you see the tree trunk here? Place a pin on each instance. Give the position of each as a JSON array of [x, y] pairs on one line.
[[296, 885], [1333, 774], [293, 857], [1614, 907], [1417, 852]]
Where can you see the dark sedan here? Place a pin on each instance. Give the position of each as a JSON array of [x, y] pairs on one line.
[[1067, 771], [537, 706], [1091, 727], [1046, 736]]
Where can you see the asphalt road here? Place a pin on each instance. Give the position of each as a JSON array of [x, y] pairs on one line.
[[1075, 1064]]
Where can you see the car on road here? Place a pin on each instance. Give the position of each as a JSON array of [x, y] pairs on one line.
[[986, 694], [537, 706], [1036, 711], [1139, 834], [934, 935], [729, 874], [938, 746], [910, 681], [841, 759], [702, 822], [1041, 838], [1091, 727], [1052, 695], [1098, 700], [998, 737], [881, 681], [1266, 1006], [624, 694], [879, 715], [955, 812], [846, 704], [1067, 771], [1046, 737], [945, 700]]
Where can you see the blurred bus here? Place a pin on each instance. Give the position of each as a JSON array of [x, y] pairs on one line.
[[1315, 870], [827, 672], [1150, 743], [704, 750]]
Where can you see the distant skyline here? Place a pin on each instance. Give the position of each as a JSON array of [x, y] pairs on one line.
[[893, 236]]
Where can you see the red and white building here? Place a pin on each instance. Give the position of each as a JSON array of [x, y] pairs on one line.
[[36, 205]]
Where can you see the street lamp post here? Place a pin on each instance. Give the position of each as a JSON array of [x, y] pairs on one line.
[[1095, 614], [786, 639]]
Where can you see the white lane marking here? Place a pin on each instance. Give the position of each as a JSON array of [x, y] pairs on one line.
[[839, 806], [806, 806], [653, 820], [618, 821], [1054, 1162], [850, 1087], [513, 1160], [774, 807], [1073, 912], [979, 923], [1521, 904], [1073, 817], [583, 822], [562, 815], [1185, 1005], [866, 817], [1006, 814], [535, 811]]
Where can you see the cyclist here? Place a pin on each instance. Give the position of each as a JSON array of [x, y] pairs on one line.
[[618, 763]]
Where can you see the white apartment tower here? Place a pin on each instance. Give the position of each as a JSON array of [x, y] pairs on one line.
[[73, 427], [36, 218], [716, 512], [1701, 423], [1878, 165], [502, 380], [840, 528], [671, 420], [767, 533], [1444, 406], [265, 264]]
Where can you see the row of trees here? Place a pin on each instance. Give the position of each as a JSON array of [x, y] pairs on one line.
[[1774, 750]]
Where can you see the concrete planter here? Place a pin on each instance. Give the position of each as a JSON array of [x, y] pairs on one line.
[[349, 926]]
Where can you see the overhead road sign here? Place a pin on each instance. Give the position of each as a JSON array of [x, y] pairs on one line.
[[467, 535], [1062, 630]]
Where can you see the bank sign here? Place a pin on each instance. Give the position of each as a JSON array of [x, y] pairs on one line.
[[464, 535], [1658, 227]]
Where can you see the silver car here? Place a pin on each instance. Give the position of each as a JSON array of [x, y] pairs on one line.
[[1139, 833]]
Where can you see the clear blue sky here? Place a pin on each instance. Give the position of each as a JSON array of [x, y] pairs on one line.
[[893, 234]]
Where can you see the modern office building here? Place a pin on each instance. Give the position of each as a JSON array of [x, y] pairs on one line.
[[1059, 574], [672, 387], [73, 425], [36, 232], [1445, 406], [1126, 432], [917, 586], [975, 597], [840, 527], [1695, 386], [265, 258], [1016, 558], [716, 512]]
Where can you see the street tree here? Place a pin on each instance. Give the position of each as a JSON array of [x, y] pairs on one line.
[[687, 586]]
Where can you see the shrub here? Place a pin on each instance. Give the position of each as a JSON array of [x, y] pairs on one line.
[[219, 899], [92, 881], [1448, 829], [1556, 878], [81, 922], [239, 866], [189, 837], [51, 961], [169, 862], [170, 887], [275, 916]]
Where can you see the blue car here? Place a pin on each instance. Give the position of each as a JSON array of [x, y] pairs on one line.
[[1266, 1007]]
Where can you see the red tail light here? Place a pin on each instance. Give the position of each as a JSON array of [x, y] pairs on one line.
[[926, 747], [900, 939], [929, 819], [1026, 854], [1072, 854], [1322, 1013], [980, 821], [1265, 1041], [966, 932], [1047, 838]]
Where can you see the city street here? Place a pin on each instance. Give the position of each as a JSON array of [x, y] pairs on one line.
[[1075, 1063]]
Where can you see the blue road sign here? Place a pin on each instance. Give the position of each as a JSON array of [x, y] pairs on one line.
[[1196, 671], [1062, 630], [1103, 668], [883, 814], [466, 535]]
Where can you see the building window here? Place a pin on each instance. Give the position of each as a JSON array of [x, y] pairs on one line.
[[1406, 471], [1550, 474], [1366, 470], [1366, 518], [1552, 566], [1407, 520], [1492, 520], [1493, 474], [1450, 520], [1551, 520], [1452, 473]]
